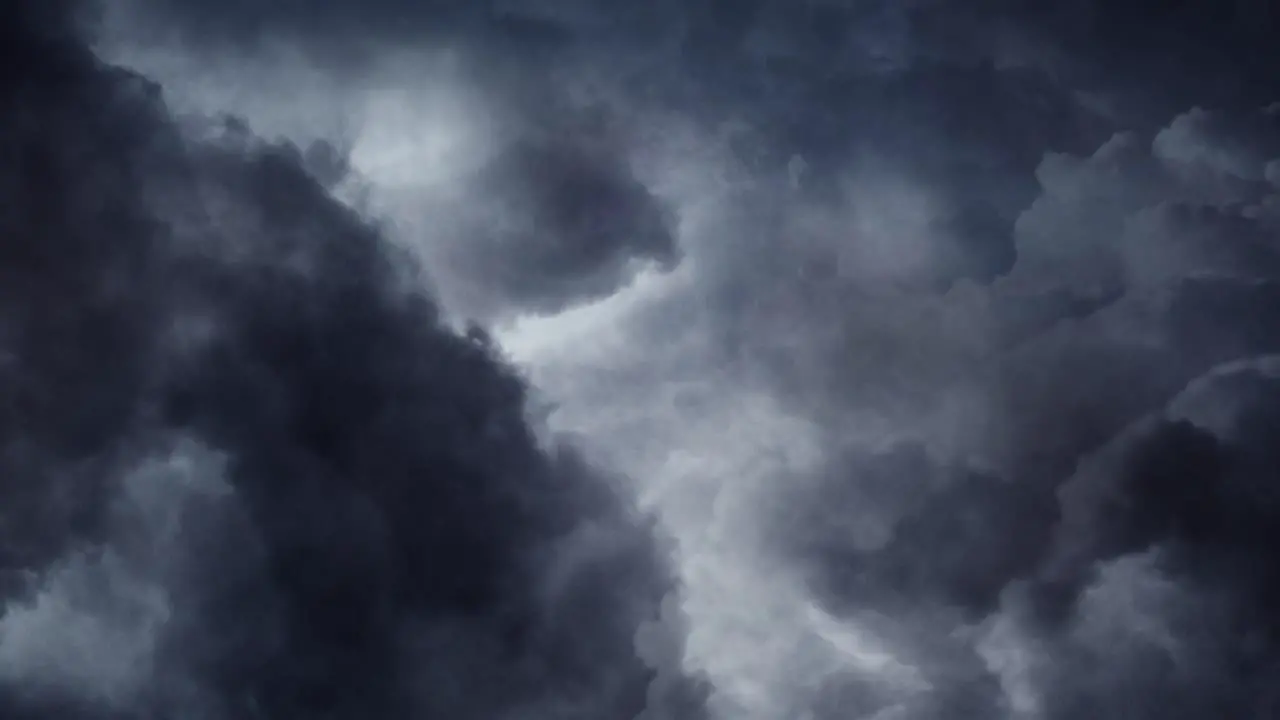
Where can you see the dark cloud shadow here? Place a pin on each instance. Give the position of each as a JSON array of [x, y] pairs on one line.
[[247, 471]]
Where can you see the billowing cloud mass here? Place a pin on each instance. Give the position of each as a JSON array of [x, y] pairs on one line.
[[247, 470], [549, 359]]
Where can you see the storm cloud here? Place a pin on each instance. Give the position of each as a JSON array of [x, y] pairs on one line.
[[563, 359], [247, 469]]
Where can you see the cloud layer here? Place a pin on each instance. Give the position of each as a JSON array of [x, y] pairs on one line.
[[878, 360], [247, 470]]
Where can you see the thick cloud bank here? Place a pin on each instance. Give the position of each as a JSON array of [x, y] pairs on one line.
[[877, 360], [1043, 497], [246, 470]]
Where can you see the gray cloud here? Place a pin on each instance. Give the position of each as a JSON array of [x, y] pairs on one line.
[[1160, 561], [934, 335], [553, 221], [248, 471], [918, 465]]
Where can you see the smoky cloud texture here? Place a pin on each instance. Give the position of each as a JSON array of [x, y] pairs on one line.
[[558, 221], [247, 471], [1063, 474], [878, 360]]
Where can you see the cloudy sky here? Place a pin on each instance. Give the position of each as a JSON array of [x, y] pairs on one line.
[[666, 360]]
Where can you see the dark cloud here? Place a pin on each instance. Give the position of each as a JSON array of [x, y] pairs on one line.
[[1164, 56], [559, 219], [991, 464], [844, 87], [247, 472], [894, 529], [548, 214], [338, 34], [1161, 581], [956, 394]]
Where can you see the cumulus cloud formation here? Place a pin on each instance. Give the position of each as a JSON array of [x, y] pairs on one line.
[[898, 361]]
